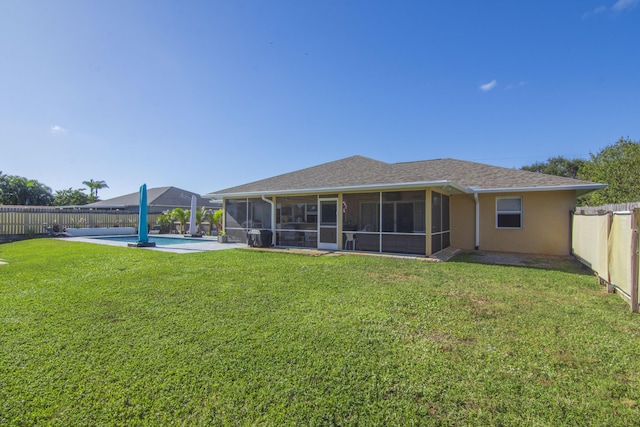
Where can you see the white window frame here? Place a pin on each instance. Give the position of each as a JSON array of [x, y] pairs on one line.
[[518, 212]]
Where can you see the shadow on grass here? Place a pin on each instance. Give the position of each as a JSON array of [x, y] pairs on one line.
[[566, 264]]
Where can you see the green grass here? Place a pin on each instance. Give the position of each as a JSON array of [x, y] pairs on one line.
[[96, 335]]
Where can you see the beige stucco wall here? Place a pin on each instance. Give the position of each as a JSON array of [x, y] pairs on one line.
[[462, 217], [545, 223]]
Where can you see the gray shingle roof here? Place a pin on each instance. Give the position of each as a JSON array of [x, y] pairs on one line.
[[159, 197], [362, 172]]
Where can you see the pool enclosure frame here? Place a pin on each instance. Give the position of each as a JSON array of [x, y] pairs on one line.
[[403, 221]]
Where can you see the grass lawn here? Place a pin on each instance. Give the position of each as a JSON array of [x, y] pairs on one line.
[[96, 335]]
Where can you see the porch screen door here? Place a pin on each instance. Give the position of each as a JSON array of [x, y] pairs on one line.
[[328, 224]]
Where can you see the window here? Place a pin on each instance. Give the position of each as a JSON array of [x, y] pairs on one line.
[[509, 212]]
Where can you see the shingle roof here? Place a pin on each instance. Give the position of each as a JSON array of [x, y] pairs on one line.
[[156, 197], [484, 177], [361, 172]]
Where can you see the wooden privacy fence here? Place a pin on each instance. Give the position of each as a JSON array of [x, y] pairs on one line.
[[607, 242], [616, 207], [23, 220]]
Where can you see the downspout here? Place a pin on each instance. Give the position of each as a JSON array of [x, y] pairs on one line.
[[477, 242], [273, 219]]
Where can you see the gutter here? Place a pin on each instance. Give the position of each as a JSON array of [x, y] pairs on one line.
[[477, 239], [580, 188], [368, 187]]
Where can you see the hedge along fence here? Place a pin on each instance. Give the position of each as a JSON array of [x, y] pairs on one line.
[[24, 220], [617, 207], [607, 242]]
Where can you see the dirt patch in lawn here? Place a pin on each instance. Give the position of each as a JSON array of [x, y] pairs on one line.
[[548, 262]]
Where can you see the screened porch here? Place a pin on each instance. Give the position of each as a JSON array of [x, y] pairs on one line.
[[384, 222]]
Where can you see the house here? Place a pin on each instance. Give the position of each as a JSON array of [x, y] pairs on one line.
[[417, 207], [159, 199]]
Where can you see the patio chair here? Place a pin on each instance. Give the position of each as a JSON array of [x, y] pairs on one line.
[[53, 233], [351, 238]]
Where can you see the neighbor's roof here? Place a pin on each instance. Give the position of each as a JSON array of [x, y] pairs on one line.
[[170, 197], [360, 173]]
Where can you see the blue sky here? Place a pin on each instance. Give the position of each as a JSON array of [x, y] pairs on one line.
[[204, 95]]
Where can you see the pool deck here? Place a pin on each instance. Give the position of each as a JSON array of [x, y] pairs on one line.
[[207, 243], [202, 245]]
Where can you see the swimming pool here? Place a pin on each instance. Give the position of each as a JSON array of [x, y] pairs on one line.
[[159, 241]]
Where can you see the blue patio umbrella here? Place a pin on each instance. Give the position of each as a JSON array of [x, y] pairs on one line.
[[143, 231], [143, 236]]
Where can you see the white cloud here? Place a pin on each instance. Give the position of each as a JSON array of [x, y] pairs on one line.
[[488, 86], [56, 130], [623, 4], [514, 85], [599, 9], [619, 6]]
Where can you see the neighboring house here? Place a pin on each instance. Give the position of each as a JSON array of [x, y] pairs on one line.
[[410, 208], [159, 200]]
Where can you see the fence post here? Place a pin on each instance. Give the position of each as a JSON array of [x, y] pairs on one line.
[[634, 260], [610, 288]]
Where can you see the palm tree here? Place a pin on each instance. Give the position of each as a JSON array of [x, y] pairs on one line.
[[217, 219], [16, 190], [94, 186], [204, 215], [180, 215], [165, 219]]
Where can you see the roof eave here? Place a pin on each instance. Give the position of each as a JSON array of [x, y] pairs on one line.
[[579, 188], [105, 206], [454, 188]]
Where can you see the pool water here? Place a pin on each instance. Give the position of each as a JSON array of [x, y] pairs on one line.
[[159, 241]]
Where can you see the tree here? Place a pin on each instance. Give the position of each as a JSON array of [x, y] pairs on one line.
[[180, 215], [94, 186], [16, 190], [71, 197], [217, 219], [203, 214], [208, 217], [558, 166], [165, 220], [617, 165]]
